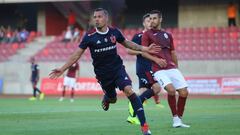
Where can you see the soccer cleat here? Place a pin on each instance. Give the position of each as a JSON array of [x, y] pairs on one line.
[[130, 109], [184, 126], [42, 95], [133, 120], [61, 99], [160, 105], [145, 129], [32, 98], [177, 123], [105, 105]]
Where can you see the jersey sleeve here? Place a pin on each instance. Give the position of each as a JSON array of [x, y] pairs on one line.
[[171, 43], [85, 42], [145, 39], [135, 39], [120, 38]]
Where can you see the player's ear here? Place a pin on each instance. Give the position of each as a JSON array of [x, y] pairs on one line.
[[160, 19]]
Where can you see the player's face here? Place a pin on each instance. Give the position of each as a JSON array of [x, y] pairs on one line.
[[155, 20], [100, 19], [147, 23], [32, 60]]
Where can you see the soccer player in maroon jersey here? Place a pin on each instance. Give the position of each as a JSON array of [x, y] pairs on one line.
[[168, 76], [148, 87], [108, 65], [70, 80]]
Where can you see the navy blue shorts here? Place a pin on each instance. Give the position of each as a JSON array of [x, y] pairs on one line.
[[120, 80], [146, 80], [34, 80]]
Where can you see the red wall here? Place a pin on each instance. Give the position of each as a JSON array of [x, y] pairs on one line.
[[56, 23]]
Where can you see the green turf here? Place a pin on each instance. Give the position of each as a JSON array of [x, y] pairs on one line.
[[85, 117]]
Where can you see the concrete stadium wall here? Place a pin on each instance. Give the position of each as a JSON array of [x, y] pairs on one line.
[[16, 75], [202, 13]]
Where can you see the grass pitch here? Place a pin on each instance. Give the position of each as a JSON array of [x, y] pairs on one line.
[[18, 116]]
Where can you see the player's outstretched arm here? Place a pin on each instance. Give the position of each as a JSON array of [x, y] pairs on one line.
[[73, 58], [150, 49], [133, 52]]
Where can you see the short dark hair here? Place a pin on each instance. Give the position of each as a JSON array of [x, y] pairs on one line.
[[145, 16], [101, 9], [156, 12]]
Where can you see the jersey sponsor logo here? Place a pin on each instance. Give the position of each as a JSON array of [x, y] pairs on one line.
[[113, 39], [98, 42], [105, 49]]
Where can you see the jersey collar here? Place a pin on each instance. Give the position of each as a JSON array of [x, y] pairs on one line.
[[102, 33]]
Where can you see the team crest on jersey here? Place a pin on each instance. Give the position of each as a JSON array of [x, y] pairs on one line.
[[165, 35], [113, 39]]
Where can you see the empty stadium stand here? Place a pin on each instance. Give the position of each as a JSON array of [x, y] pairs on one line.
[[212, 43]]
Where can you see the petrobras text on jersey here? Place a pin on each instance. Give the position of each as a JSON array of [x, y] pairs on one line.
[[105, 49]]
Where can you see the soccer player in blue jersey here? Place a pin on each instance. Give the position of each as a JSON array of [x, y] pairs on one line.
[[148, 87], [108, 65], [34, 80]]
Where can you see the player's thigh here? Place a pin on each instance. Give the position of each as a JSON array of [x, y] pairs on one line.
[[156, 88], [34, 83], [177, 79], [109, 88], [123, 81], [143, 81], [66, 81], [162, 78], [72, 83]]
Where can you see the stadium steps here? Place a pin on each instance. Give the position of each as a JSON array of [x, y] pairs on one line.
[[31, 48]]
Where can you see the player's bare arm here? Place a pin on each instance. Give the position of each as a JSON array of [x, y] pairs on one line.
[[73, 58], [131, 45], [174, 57], [133, 52], [161, 62]]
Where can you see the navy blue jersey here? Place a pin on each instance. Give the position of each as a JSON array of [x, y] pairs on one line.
[[103, 51], [143, 65], [34, 75]]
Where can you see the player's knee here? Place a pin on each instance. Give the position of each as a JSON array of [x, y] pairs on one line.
[[170, 90], [183, 92], [112, 100], [156, 88], [128, 91]]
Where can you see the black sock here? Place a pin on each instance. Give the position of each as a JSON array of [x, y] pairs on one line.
[[34, 92], [146, 95]]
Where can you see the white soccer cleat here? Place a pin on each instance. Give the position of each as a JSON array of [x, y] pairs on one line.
[[61, 99], [177, 123], [184, 126]]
